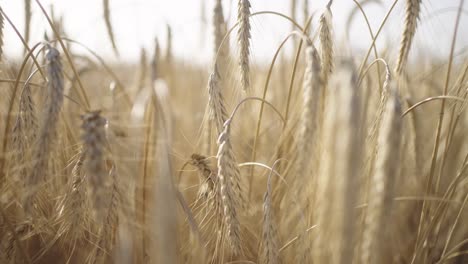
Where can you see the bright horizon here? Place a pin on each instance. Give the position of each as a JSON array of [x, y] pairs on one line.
[[137, 22]]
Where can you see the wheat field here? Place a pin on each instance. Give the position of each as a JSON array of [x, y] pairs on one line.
[[320, 155]]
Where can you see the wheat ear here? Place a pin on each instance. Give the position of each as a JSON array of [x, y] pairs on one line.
[[48, 128], [326, 43], [413, 9], [312, 90], [269, 251], [230, 190], [25, 129], [307, 140], [243, 37], [94, 167], [217, 108]]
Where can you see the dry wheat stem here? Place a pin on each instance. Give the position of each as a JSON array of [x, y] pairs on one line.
[[27, 21], [2, 25], [168, 44], [110, 31]]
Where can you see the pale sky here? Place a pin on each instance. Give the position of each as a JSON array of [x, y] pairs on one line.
[[137, 22]]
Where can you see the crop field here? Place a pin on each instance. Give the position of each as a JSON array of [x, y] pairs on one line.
[[324, 152]]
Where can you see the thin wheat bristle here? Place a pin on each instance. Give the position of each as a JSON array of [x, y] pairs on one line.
[[243, 37], [412, 12], [108, 230], [326, 43], [110, 30], [73, 207], [93, 165], [382, 182]]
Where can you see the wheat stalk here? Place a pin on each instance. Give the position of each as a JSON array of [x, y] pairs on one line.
[[155, 61], [413, 9], [339, 170], [27, 21], [243, 37], [2, 24], [168, 44], [382, 182], [110, 31], [143, 70]]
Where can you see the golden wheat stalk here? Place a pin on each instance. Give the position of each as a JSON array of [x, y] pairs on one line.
[[382, 183], [110, 31], [2, 24]]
